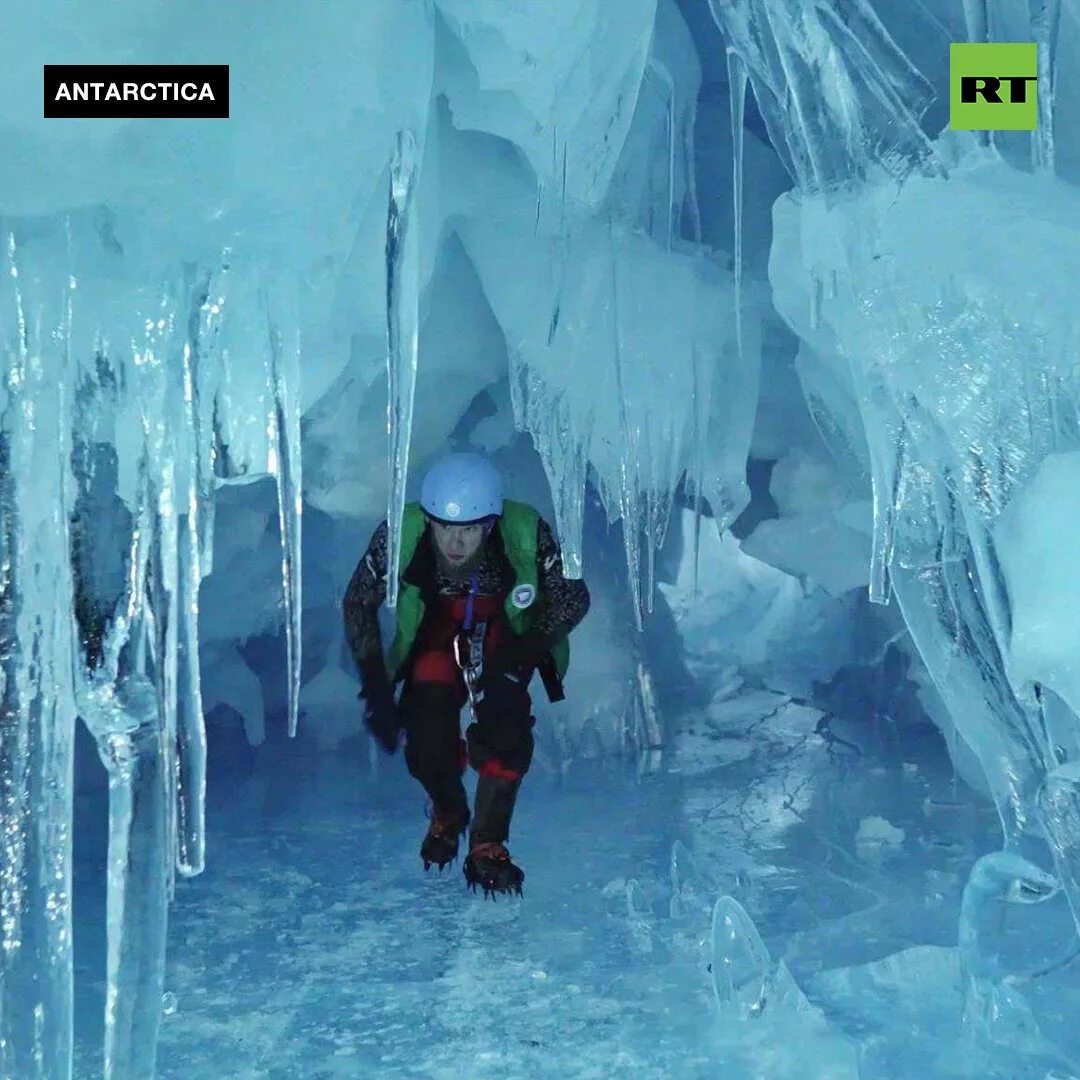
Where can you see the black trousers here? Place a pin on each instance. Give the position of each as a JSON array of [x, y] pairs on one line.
[[498, 743]]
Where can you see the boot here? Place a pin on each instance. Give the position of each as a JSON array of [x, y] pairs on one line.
[[440, 845], [488, 863]]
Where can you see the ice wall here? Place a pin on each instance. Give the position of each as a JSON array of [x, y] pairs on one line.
[[150, 325], [888, 261]]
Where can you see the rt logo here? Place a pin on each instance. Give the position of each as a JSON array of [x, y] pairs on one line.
[[993, 86]]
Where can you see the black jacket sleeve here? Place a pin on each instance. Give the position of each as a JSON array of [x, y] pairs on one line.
[[363, 598], [563, 602]]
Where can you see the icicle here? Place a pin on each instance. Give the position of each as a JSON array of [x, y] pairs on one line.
[[662, 73], [671, 166], [650, 551], [737, 76], [701, 436], [190, 724], [563, 245], [207, 370], [164, 607], [123, 710], [138, 876], [887, 465], [628, 454], [1045, 24], [563, 453], [689, 168], [37, 712], [886, 482], [285, 444], [650, 712], [402, 328], [979, 29], [977, 20]]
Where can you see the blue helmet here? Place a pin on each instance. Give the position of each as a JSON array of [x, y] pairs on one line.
[[461, 489]]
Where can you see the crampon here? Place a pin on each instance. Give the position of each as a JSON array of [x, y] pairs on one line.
[[489, 866], [440, 845]]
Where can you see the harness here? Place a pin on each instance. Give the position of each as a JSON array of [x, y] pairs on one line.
[[469, 645]]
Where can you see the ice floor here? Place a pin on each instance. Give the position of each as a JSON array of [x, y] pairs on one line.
[[314, 946]]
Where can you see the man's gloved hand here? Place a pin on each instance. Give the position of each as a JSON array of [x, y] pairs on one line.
[[504, 680], [380, 710], [519, 655]]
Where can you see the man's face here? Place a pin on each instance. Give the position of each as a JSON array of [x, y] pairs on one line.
[[457, 543]]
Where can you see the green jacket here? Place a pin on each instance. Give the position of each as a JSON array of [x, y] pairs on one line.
[[517, 529]]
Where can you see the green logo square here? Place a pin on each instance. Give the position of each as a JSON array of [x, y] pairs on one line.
[[992, 86]]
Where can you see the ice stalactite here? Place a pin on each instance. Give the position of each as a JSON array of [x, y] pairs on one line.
[[283, 427], [402, 332], [696, 474], [37, 663], [138, 874], [550, 421], [114, 403], [190, 723], [550, 418], [626, 486], [887, 470], [737, 78], [1045, 18], [563, 239], [979, 26], [141, 700], [977, 20], [661, 73], [638, 326], [204, 363], [121, 701], [173, 402], [200, 360], [869, 117]]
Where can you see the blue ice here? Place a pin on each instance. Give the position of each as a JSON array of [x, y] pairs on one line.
[[791, 367]]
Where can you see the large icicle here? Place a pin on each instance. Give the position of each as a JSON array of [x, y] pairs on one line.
[[550, 421], [284, 430], [402, 334], [638, 325], [37, 661], [1045, 25], [190, 724], [140, 694], [627, 488], [737, 77], [206, 362], [194, 551], [139, 870], [122, 707], [869, 117]]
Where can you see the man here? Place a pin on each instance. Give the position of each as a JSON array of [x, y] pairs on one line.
[[482, 605]]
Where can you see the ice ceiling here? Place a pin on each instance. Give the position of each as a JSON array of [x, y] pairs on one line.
[[564, 206]]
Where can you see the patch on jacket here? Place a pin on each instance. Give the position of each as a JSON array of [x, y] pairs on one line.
[[523, 596]]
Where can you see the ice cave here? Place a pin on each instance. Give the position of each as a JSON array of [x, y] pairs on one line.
[[782, 357]]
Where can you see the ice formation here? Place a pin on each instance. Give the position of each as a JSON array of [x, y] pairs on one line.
[[494, 210]]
